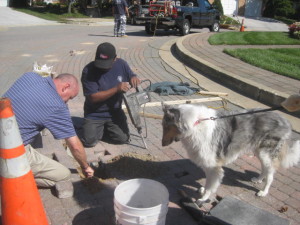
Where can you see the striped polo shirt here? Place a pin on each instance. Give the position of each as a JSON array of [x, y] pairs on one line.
[[37, 105]]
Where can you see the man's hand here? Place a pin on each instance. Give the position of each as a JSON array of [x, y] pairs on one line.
[[123, 87], [134, 81], [79, 154], [88, 171]]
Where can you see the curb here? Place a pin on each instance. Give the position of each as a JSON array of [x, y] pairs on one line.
[[90, 21], [247, 87]]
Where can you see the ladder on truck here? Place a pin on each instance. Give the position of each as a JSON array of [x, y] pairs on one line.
[[160, 8]]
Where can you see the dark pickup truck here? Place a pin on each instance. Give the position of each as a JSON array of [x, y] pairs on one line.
[[181, 15]]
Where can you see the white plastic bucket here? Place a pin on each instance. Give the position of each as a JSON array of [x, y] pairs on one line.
[[141, 201]]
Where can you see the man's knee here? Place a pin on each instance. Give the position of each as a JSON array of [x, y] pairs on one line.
[[89, 142], [119, 138], [49, 180], [124, 138], [92, 133]]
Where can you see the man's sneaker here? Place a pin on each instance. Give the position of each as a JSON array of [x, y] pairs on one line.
[[124, 35]]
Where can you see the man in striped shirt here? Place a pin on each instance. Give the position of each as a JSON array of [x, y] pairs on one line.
[[40, 102]]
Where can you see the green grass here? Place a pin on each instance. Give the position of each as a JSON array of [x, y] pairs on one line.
[[284, 61], [56, 14], [253, 38]]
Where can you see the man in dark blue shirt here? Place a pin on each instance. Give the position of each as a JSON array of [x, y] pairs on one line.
[[104, 81]]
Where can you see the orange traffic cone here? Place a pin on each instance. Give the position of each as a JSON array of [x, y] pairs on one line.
[[20, 200], [242, 29]]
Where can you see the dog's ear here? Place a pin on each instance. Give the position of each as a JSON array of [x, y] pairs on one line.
[[174, 113], [171, 128], [170, 114], [164, 107]]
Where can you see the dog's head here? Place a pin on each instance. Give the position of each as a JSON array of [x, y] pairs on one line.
[[171, 125]]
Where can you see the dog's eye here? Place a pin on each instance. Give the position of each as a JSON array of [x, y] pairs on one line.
[[168, 119]]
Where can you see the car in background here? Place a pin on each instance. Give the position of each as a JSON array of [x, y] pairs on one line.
[[137, 11]]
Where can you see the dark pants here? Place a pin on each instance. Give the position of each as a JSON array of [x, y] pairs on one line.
[[113, 131]]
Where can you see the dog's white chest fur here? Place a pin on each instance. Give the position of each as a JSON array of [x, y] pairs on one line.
[[197, 141]]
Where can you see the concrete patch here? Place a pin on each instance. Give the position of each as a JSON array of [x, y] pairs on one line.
[[236, 212]]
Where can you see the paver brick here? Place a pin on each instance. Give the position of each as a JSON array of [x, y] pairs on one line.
[[281, 196], [64, 189], [295, 203]]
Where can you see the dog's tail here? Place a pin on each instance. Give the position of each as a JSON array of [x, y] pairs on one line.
[[292, 155]]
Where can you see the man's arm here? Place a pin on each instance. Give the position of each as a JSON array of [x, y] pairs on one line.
[[104, 95], [79, 154], [135, 81]]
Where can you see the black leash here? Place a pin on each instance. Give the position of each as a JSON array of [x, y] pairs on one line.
[[240, 114], [245, 113]]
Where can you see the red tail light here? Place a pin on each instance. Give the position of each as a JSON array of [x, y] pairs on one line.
[[174, 12]]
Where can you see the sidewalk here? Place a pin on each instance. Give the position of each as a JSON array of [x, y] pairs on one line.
[[259, 84], [12, 18]]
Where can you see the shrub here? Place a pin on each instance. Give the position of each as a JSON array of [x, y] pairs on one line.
[[218, 5], [294, 30], [229, 20], [283, 8], [285, 20], [18, 3]]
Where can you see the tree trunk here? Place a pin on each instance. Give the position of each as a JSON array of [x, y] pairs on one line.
[[70, 6]]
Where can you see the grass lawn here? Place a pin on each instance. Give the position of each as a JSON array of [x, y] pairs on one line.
[[252, 38], [59, 14], [284, 61]]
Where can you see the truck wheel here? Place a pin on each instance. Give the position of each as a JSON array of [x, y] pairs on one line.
[[149, 28], [132, 20], [185, 28], [215, 27]]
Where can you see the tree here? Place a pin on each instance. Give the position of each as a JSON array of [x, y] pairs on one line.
[[218, 5], [18, 3], [70, 3], [282, 8]]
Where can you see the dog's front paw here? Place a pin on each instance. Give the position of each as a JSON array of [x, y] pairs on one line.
[[201, 201], [261, 193], [256, 180]]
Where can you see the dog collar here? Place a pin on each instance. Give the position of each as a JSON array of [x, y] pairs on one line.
[[200, 120]]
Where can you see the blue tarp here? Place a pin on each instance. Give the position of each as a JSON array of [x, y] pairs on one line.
[[173, 88]]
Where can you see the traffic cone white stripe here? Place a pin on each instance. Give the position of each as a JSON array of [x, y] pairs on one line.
[[13, 161], [9, 133], [13, 168]]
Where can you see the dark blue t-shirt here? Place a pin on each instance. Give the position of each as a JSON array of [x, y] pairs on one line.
[[94, 80], [119, 7]]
